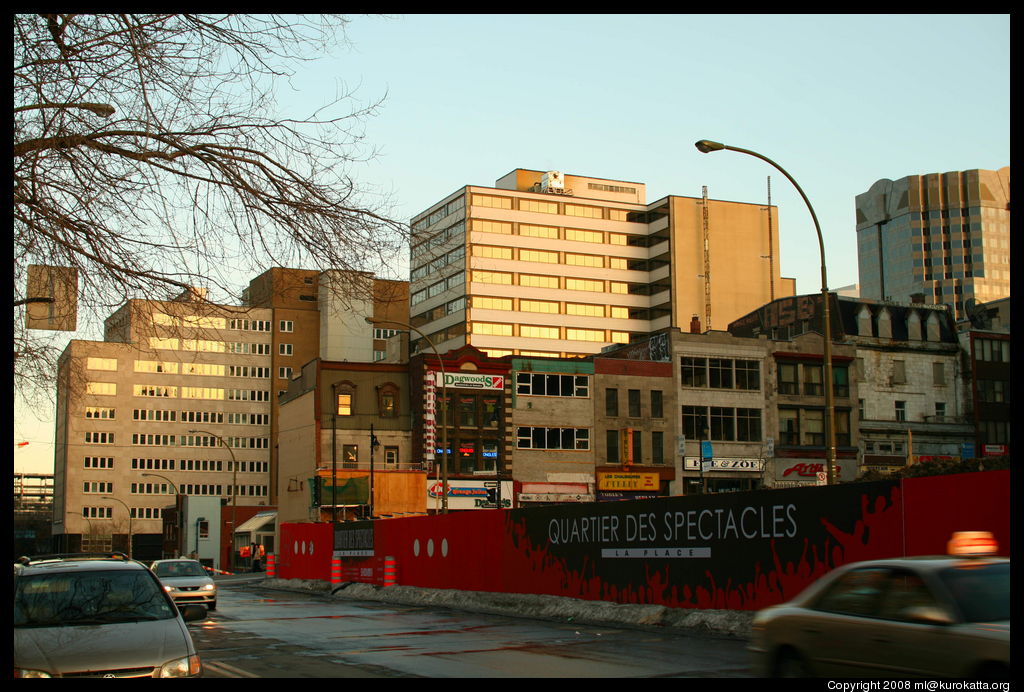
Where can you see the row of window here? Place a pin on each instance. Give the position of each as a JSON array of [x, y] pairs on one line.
[[171, 416], [147, 464], [550, 307], [633, 401], [720, 373], [206, 322], [572, 259], [623, 446], [538, 331], [164, 391], [553, 282], [161, 440]]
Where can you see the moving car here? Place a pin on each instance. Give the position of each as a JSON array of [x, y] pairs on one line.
[[102, 616], [186, 581], [945, 616]]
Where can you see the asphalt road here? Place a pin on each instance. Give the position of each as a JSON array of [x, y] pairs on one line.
[[258, 633]]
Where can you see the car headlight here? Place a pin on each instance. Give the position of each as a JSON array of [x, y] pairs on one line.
[[209, 587], [168, 589], [186, 667], [23, 673]]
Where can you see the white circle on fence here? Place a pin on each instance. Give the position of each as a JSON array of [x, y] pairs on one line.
[[430, 547], [416, 547], [444, 547]]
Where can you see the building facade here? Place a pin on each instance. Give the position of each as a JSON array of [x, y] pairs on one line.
[[181, 397], [552, 265], [944, 237]]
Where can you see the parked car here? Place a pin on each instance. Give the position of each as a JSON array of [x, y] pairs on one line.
[[187, 581], [105, 616], [945, 616]]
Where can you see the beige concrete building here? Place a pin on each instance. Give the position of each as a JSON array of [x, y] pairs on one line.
[[945, 238], [547, 264], [182, 397]]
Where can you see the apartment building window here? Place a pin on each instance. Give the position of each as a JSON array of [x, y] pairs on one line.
[[286, 326], [788, 383], [551, 384], [694, 372], [814, 428], [634, 403], [695, 422], [99, 438], [789, 426], [344, 402], [101, 363], [284, 349], [657, 408], [99, 462], [535, 437], [101, 388], [96, 487], [612, 446], [657, 447], [350, 455], [611, 402], [284, 373], [899, 372], [96, 412], [901, 410], [813, 380]]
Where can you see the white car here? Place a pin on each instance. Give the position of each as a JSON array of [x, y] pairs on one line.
[[186, 581]]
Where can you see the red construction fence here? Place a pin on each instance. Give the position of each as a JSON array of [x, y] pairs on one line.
[[734, 550]]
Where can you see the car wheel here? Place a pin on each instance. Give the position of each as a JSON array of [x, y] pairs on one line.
[[790, 664]]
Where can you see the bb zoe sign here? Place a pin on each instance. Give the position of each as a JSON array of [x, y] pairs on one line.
[[693, 464]]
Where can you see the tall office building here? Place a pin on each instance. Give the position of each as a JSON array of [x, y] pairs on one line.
[[181, 397], [551, 264], [945, 237]]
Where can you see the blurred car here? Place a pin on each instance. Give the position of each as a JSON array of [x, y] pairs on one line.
[[945, 616], [186, 581], [98, 616]]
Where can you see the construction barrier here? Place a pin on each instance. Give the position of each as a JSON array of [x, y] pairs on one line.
[[271, 565], [217, 571], [335, 571], [390, 571]]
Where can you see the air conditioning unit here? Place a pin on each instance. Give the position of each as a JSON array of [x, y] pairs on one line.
[[552, 180]]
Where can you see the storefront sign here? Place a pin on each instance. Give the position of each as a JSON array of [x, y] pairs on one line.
[[474, 381], [467, 494], [353, 539], [628, 481], [723, 464]]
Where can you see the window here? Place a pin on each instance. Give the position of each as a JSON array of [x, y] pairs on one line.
[[723, 423], [814, 428], [538, 256], [344, 404], [787, 378], [284, 373], [486, 303], [901, 410], [545, 306], [491, 201], [789, 427], [611, 402], [748, 425], [695, 422], [938, 373], [387, 402], [535, 331], [899, 372], [350, 455], [813, 380], [486, 277], [101, 363], [694, 372], [720, 373], [841, 381], [391, 457], [492, 252], [657, 447], [584, 309], [481, 226], [584, 211], [657, 410], [286, 326], [584, 285], [612, 446], [99, 438], [538, 281], [584, 236], [549, 384], [634, 403], [552, 438], [284, 349], [748, 375], [101, 388], [98, 412], [538, 231], [595, 335]]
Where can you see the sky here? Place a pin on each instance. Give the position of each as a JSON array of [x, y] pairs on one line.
[[838, 101]]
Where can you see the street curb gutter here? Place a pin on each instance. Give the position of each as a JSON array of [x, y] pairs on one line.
[[723, 623]]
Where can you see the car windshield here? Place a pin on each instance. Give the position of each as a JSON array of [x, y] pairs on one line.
[[88, 598], [179, 569], [981, 590]]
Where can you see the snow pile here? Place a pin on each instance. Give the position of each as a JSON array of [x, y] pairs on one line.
[[731, 623]]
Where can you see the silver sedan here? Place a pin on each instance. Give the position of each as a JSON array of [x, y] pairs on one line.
[[935, 617], [186, 581]]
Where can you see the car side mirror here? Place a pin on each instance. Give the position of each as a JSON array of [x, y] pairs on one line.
[[928, 615], [192, 612]]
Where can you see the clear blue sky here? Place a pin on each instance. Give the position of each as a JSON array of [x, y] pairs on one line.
[[839, 101]]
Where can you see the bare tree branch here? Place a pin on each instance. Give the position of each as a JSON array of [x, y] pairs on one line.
[[150, 155]]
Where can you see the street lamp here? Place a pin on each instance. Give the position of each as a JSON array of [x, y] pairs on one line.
[[108, 497], [444, 409], [234, 495], [177, 506], [706, 146]]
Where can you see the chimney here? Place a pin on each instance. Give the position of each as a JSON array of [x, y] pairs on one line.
[[695, 325]]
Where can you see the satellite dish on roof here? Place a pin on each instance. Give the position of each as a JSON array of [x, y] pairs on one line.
[[977, 314]]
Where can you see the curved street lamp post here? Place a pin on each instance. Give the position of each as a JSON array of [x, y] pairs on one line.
[[706, 146], [127, 509], [177, 506], [234, 495]]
